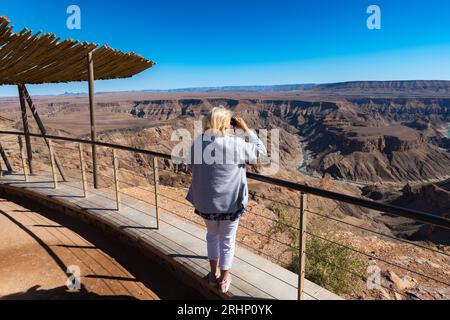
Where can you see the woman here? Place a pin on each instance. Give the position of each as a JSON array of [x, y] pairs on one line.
[[219, 190]]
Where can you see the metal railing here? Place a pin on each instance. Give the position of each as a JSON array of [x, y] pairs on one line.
[[302, 208]]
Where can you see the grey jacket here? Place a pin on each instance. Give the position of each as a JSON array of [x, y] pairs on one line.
[[219, 181]]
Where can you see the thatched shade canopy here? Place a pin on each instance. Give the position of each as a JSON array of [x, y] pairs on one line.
[[27, 58]]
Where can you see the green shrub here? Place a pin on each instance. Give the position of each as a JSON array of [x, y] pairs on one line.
[[330, 262], [331, 266]]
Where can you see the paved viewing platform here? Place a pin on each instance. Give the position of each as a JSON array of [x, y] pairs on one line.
[[177, 244], [36, 252]]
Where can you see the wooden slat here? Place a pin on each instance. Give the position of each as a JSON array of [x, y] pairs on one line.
[[27, 58]]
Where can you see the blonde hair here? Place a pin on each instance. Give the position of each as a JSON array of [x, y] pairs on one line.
[[217, 121]]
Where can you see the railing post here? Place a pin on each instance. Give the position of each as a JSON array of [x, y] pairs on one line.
[[156, 183], [83, 169], [22, 157], [52, 161], [302, 247], [116, 178]]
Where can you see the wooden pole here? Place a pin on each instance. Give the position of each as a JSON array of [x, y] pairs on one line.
[[41, 127], [83, 169], [156, 183], [26, 129], [302, 247], [90, 62], [5, 159]]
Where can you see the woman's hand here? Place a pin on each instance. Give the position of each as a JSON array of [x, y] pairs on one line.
[[240, 124]]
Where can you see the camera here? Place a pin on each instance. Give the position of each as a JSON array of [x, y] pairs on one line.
[[233, 122]]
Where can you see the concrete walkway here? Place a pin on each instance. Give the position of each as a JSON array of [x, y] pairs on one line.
[[35, 253], [36, 249], [178, 243]]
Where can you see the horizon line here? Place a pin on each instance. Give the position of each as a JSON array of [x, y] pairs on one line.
[[211, 88]]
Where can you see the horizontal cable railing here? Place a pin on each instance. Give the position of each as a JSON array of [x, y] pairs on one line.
[[293, 247], [395, 210]]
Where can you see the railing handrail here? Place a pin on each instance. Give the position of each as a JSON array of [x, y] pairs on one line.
[[369, 204]]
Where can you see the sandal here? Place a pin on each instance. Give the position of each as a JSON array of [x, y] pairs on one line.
[[213, 280], [225, 285]]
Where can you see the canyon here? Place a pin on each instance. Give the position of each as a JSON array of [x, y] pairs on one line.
[[385, 141]]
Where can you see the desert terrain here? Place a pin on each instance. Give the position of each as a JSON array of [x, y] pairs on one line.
[[385, 141]]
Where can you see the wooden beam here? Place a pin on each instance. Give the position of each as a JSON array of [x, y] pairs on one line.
[[5, 158], [23, 107], [41, 126], [91, 78]]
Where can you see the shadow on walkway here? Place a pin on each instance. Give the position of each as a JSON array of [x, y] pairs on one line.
[[153, 275], [61, 293]]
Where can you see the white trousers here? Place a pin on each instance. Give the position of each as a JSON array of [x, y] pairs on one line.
[[221, 240]]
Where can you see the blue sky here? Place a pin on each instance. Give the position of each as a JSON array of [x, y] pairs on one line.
[[248, 42]]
